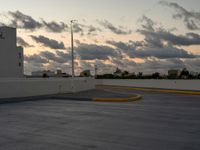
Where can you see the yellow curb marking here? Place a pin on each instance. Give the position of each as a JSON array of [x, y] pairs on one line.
[[128, 99]]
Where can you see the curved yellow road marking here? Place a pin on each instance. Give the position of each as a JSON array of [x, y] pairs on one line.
[[127, 99]]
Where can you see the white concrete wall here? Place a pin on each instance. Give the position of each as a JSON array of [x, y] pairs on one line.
[[82, 84], [13, 88], [162, 84]]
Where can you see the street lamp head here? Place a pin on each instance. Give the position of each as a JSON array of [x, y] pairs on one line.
[[72, 21]]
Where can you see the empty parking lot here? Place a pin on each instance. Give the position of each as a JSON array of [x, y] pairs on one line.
[[158, 121]]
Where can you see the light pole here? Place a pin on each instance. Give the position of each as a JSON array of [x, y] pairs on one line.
[[72, 46]]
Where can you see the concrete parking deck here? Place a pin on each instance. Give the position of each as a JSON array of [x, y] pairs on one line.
[[159, 121]]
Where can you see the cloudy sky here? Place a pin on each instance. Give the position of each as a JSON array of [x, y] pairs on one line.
[[135, 35]]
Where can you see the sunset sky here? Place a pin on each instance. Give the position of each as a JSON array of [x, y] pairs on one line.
[[135, 35]]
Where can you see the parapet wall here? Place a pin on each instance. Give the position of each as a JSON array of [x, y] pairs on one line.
[[193, 85], [13, 88]]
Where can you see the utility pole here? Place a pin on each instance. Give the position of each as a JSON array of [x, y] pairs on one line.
[[72, 46]]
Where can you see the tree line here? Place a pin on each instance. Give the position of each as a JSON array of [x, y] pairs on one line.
[[172, 74]]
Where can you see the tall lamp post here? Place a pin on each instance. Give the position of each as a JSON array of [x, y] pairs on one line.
[[72, 46]]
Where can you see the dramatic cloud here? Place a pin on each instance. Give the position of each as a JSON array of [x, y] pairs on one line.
[[84, 65], [138, 50], [148, 23], [63, 57], [131, 45], [83, 29], [190, 18], [157, 38], [21, 20], [37, 61], [92, 30], [181, 40], [44, 59], [22, 42], [158, 43], [78, 28], [193, 64], [35, 58], [121, 45], [30, 67], [58, 57], [114, 29], [41, 61], [55, 27], [48, 42], [92, 52], [160, 50], [47, 56], [124, 64], [162, 66], [103, 68], [162, 53]]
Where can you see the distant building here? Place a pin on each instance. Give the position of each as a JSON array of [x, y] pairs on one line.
[[85, 73], [174, 74], [44, 73], [61, 74], [48, 73], [11, 56]]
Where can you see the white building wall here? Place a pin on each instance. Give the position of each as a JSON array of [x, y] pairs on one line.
[[26, 87], [160, 84], [11, 56]]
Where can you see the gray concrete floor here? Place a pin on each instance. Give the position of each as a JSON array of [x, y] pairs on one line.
[[158, 122]]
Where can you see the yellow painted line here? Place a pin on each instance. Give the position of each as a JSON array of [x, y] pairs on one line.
[[128, 99], [152, 90]]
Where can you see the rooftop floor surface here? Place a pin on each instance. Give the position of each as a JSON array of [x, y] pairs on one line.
[[160, 121]]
